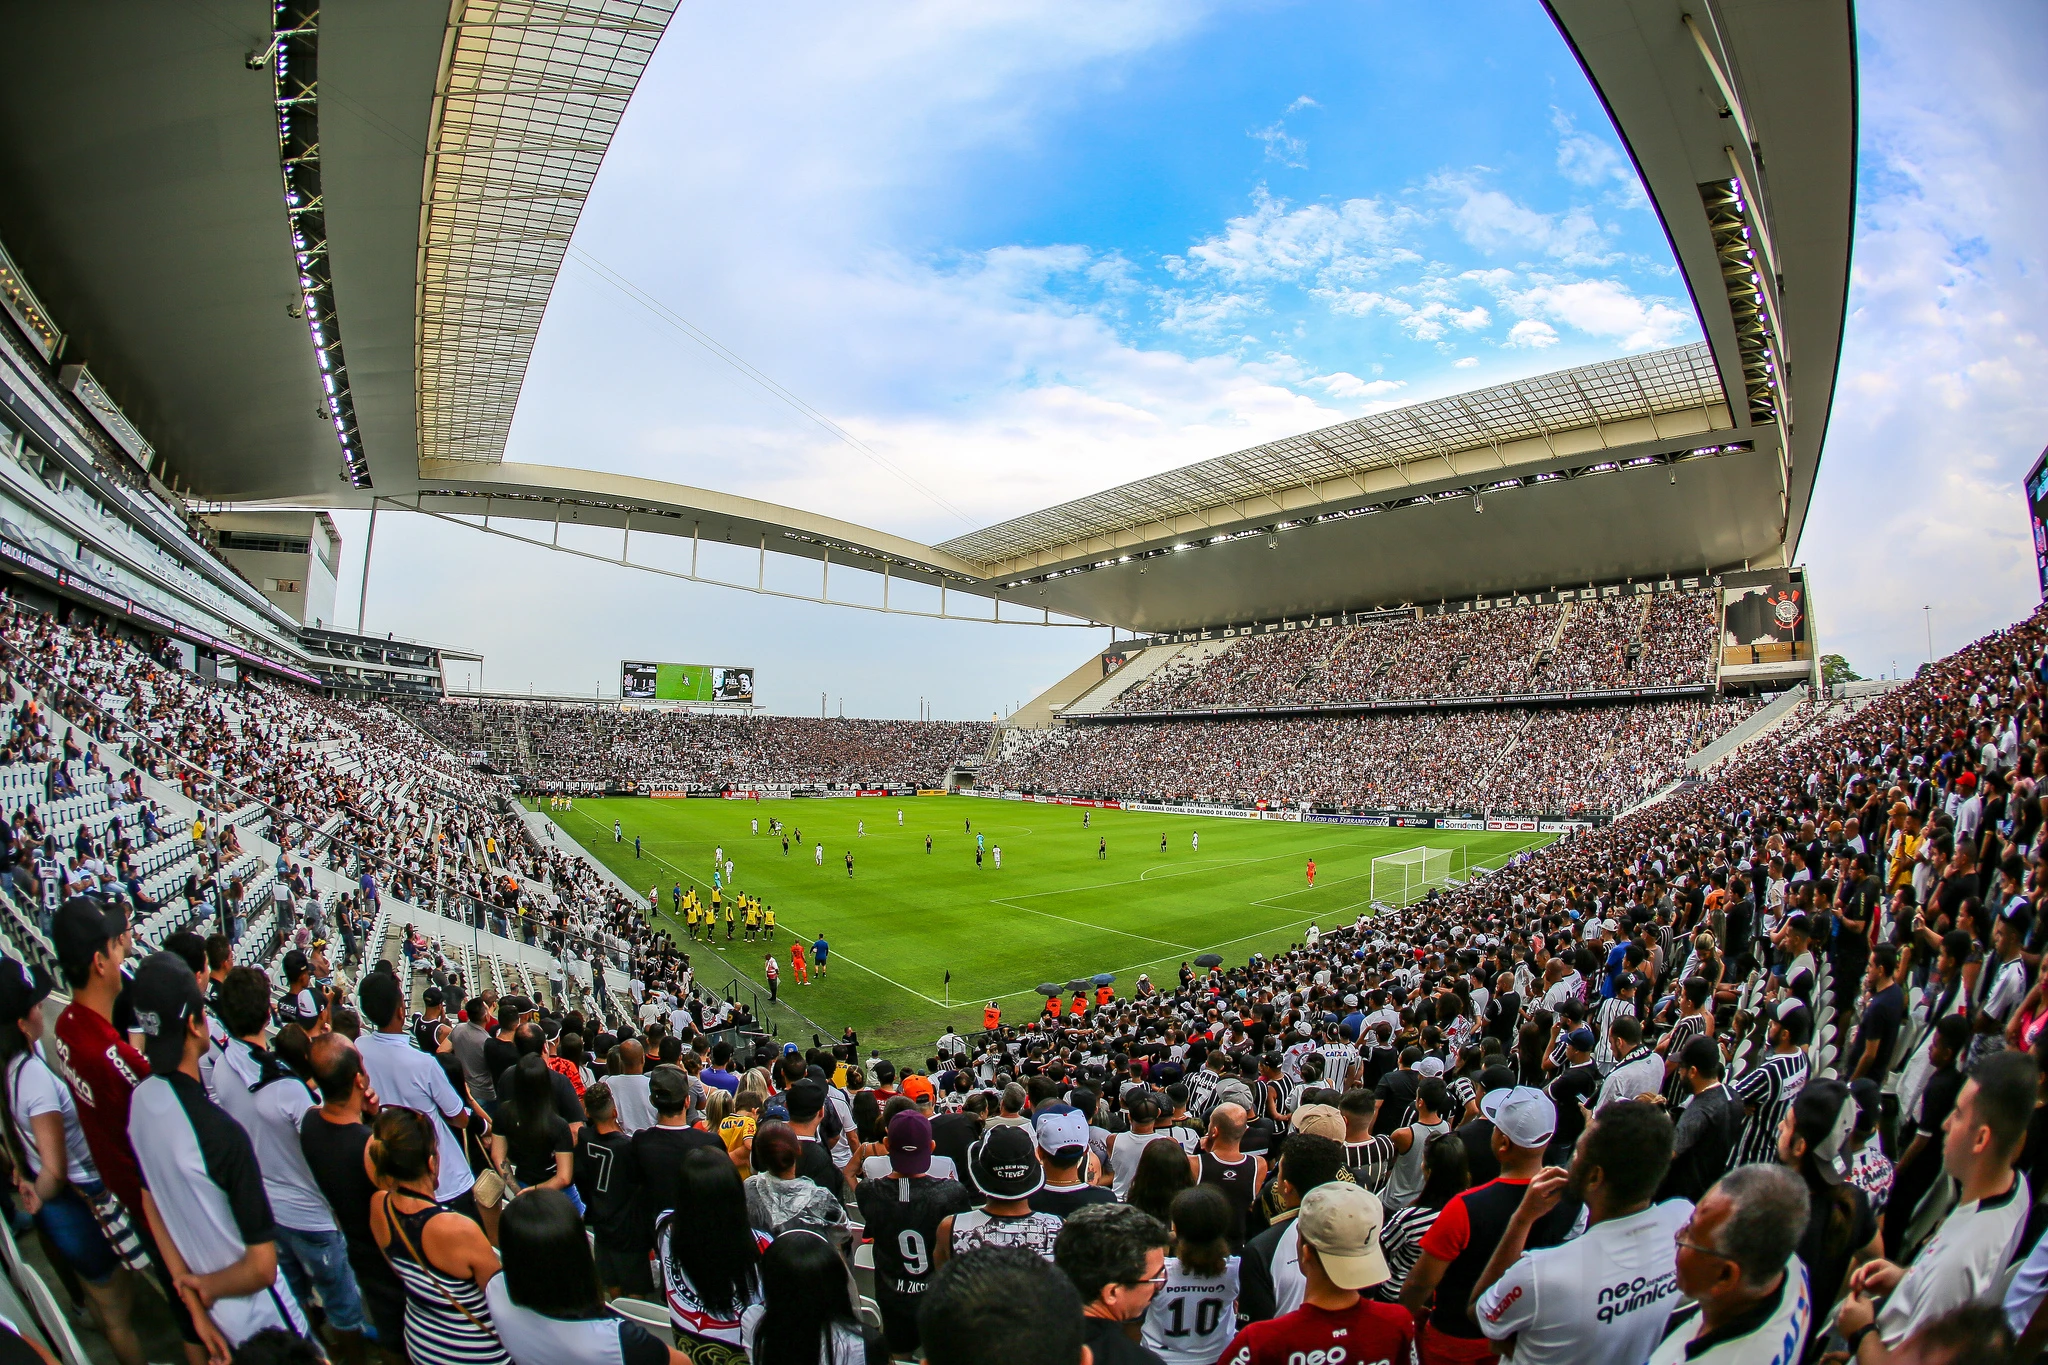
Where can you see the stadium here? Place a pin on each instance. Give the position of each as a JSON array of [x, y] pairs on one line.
[[1394, 811]]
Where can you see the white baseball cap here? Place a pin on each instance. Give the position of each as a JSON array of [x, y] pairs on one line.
[[1523, 1114], [1430, 1066]]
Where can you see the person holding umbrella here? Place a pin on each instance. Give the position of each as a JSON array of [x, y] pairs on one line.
[[1103, 992], [1051, 991], [1080, 1005]]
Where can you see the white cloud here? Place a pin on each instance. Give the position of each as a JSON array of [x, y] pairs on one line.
[[1349, 386], [1605, 308], [1352, 240], [1465, 362], [1302, 102], [1588, 161], [1534, 335], [1430, 321], [1497, 223], [1281, 146]]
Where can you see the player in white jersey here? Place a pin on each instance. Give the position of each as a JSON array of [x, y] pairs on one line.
[[818, 856], [756, 824], [899, 819], [1193, 1315], [1195, 842]]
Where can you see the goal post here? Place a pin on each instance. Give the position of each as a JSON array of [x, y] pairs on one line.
[[1406, 877]]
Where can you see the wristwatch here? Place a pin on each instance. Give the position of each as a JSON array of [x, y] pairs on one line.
[[1855, 1338]]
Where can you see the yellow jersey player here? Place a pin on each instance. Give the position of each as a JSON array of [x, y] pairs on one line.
[[768, 921]]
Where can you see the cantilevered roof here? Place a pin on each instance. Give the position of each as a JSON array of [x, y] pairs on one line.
[[1589, 396], [525, 105]]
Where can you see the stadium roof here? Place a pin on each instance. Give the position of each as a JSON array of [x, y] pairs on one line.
[[1632, 389], [433, 162]]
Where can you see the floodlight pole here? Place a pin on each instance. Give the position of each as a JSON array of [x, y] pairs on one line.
[[369, 544]]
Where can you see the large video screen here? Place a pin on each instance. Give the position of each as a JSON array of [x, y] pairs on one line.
[[1764, 621], [685, 682]]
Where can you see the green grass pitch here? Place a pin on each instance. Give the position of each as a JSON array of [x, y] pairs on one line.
[[1054, 912]]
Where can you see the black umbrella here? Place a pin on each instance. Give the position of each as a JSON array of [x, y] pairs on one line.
[[1077, 984], [1104, 978], [1209, 960], [1048, 988]]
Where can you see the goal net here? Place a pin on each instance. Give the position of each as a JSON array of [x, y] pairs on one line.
[[1406, 877]]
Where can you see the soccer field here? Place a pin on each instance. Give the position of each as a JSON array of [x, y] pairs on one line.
[[1054, 912]]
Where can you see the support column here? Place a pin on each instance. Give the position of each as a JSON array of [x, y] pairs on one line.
[[369, 544]]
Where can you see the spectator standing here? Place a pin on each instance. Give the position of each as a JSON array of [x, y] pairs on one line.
[[1842, 1231], [1004, 1166], [1708, 1126], [1604, 1295], [548, 1305], [1340, 1257], [440, 1257], [710, 1258], [902, 1213], [620, 1227], [1736, 1263], [1271, 1274], [1963, 1260], [402, 1075], [1116, 1256], [1194, 1313], [659, 1152], [333, 1138], [202, 1191]]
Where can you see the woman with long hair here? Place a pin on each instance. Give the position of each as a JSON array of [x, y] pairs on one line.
[[55, 1181], [1162, 1174], [548, 1307], [531, 1148], [441, 1258], [1193, 1315], [1445, 1174], [808, 1313], [1842, 1232], [710, 1259]]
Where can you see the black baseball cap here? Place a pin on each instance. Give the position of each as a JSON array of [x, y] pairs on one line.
[[294, 963], [22, 987], [806, 1100], [165, 994], [669, 1087], [82, 927], [432, 996], [1004, 1163]]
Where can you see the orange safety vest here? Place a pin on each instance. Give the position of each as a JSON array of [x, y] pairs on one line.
[[1052, 1006], [1102, 994], [990, 1017]]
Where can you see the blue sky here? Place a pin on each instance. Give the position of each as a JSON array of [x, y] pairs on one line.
[[1026, 251]]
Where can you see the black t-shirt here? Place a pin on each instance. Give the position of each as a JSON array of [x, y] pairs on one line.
[[1575, 1085], [952, 1135], [1480, 1161], [499, 1057], [533, 1152], [903, 1217], [658, 1158], [1108, 1345], [606, 1179], [334, 1154], [1882, 1018], [1062, 1201], [1396, 1093]]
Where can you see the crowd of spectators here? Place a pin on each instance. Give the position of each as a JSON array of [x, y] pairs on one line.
[[1751, 1073], [1508, 760], [1657, 640], [589, 743]]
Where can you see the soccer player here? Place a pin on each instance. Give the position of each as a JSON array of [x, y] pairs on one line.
[[862, 828], [799, 972], [753, 919], [1084, 819], [756, 824], [821, 952], [927, 844], [728, 872], [1311, 874], [849, 862], [818, 855], [980, 842], [768, 922], [1162, 841], [785, 845], [618, 833], [636, 846], [1102, 846], [899, 817], [977, 856], [999, 857], [1195, 841]]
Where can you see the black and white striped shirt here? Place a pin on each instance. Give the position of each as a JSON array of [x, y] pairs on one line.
[[1770, 1086]]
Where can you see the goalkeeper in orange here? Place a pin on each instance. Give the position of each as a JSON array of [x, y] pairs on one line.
[[799, 970]]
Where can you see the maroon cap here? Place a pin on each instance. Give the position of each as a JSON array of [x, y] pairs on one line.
[[910, 1143]]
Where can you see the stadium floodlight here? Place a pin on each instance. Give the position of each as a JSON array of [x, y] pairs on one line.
[[1406, 877]]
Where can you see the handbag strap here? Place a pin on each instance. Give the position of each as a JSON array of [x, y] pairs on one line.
[[398, 1228]]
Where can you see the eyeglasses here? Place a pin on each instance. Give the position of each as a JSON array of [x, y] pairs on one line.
[[1156, 1281], [1686, 1231]]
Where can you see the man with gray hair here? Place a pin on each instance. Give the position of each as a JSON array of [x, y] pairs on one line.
[[1736, 1262]]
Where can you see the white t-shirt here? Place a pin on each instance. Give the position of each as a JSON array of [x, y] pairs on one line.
[[1603, 1296], [1775, 1341], [32, 1089], [630, 1098], [878, 1168], [1960, 1264], [1192, 1317]]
